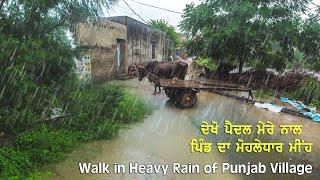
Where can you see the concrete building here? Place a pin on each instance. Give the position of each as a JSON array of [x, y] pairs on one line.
[[144, 43], [112, 44]]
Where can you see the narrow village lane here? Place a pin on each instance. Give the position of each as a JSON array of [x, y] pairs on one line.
[[164, 137]]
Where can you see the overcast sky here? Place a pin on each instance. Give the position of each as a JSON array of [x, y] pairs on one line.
[[147, 13]]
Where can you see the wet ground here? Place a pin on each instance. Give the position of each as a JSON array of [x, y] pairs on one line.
[[164, 137]]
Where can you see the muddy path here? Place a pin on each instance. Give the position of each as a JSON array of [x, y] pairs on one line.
[[164, 137]]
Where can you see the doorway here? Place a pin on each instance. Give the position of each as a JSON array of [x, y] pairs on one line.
[[120, 53]]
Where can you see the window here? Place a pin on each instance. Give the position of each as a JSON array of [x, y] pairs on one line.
[[153, 51]]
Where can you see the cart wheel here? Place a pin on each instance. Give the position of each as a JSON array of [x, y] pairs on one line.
[[187, 98], [171, 93], [168, 92]]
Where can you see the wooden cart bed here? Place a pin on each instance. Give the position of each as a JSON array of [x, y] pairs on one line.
[[192, 84]]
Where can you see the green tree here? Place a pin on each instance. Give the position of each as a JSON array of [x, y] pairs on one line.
[[243, 31], [309, 42], [172, 36]]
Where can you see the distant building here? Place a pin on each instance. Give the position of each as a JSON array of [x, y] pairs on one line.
[[112, 44]]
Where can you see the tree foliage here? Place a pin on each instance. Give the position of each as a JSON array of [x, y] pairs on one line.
[[264, 32], [310, 40], [41, 18], [172, 35]]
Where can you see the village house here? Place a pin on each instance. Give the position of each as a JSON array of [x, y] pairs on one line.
[[108, 47]]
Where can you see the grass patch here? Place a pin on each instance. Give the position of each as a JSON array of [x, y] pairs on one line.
[[261, 94]]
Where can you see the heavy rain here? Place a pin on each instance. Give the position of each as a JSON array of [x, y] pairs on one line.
[[125, 89]]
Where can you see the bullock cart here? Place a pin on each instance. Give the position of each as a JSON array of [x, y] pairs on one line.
[[184, 92]]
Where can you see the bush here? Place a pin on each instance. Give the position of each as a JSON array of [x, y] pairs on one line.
[[45, 61], [14, 121], [316, 103], [289, 81], [98, 112], [21, 91], [14, 163], [44, 145], [308, 91], [208, 63], [316, 66], [96, 101], [92, 111], [131, 108]]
